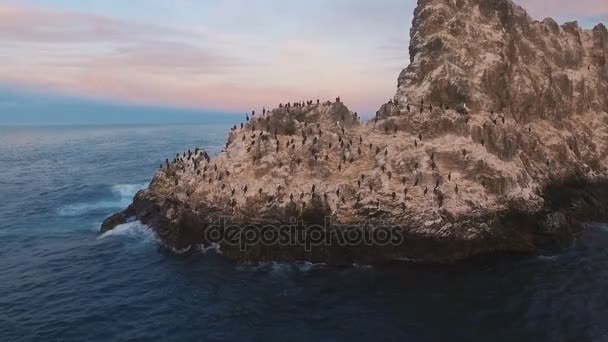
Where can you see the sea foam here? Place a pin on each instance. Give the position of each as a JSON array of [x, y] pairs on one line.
[[122, 195]]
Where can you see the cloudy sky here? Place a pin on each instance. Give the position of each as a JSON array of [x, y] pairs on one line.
[[222, 55]]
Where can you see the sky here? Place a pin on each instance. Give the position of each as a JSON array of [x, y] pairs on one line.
[[216, 55]]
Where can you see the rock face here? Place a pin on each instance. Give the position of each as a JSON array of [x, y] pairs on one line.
[[496, 141], [491, 55]]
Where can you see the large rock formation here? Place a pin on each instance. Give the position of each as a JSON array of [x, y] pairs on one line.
[[497, 140], [491, 55]]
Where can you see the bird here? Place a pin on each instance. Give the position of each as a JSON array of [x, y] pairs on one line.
[[426, 190], [450, 177], [245, 189], [456, 189]]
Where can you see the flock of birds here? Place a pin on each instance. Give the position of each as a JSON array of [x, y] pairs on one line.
[[322, 146]]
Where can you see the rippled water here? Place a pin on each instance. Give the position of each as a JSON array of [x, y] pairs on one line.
[[62, 281]]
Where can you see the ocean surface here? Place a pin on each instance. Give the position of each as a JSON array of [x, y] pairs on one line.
[[60, 280]]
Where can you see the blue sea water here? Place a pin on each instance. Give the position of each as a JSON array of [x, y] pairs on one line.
[[60, 280]]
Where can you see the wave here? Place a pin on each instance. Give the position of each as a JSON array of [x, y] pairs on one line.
[[135, 230], [274, 267], [547, 257], [122, 195]]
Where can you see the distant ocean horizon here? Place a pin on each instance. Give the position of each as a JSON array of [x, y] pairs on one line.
[[38, 108], [60, 280]]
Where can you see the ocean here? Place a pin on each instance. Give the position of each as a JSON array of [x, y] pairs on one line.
[[60, 280]]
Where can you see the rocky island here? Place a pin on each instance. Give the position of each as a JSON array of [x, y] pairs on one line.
[[496, 141]]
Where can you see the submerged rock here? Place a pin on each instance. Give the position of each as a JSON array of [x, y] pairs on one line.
[[496, 141]]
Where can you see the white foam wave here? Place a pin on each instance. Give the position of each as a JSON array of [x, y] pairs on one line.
[[277, 268], [122, 196], [135, 230], [213, 247], [128, 190], [548, 257]]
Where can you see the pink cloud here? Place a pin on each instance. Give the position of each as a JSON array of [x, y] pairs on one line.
[[94, 56]]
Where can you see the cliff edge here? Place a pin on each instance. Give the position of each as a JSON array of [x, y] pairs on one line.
[[496, 141]]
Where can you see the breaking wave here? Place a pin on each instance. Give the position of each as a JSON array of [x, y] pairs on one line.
[[135, 230], [121, 197]]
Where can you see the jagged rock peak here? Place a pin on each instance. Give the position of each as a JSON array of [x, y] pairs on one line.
[[491, 55]]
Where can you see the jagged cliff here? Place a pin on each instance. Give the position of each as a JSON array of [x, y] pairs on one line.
[[491, 55], [497, 140]]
